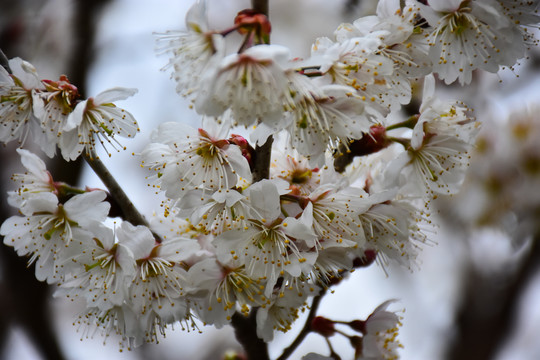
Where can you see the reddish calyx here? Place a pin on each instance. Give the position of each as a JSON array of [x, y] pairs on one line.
[[66, 91], [251, 21], [243, 144], [370, 143]]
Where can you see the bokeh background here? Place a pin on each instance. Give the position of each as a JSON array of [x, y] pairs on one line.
[[476, 291]]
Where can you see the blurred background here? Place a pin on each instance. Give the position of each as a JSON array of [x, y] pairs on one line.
[[476, 291]]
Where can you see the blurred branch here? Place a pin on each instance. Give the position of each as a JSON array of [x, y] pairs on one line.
[[260, 6], [488, 312], [350, 6], [24, 300]]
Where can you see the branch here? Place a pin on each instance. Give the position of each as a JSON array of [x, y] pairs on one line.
[[261, 160], [260, 5], [129, 211], [488, 312], [246, 334], [306, 329], [350, 7], [5, 62]]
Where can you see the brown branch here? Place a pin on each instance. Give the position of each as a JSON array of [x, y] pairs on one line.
[[260, 5], [488, 311], [261, 160], [245, 329], [129, 212], [306, 329], [5, 62]]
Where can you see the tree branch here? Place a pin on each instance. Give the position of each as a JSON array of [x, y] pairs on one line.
[[5, 62], [246, 334], [129, 211], [260, 5], [261, 160], [488, 312], [306, 329]]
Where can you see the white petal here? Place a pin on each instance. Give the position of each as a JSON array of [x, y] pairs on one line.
[[88, 207], [76, 116], [138, 239], [114, 94]]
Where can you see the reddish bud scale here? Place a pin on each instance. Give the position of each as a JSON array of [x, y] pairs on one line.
[[69, 91], [323, 326], [370, 143], [250, 20], [65, 92], [243, 144]]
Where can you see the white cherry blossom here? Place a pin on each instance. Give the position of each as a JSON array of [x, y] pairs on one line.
[[252, 84], [97, 120], [469, 35], [322, 118], [185, 158], [35, 180], [17, 120], [48, 228], [193, 52], [52, 107]]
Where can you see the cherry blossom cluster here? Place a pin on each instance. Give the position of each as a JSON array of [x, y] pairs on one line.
[[350, 179], [51, 113]]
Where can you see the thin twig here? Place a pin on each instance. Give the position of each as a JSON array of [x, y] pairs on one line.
[[306, 329], [129, 211], [5, 62]]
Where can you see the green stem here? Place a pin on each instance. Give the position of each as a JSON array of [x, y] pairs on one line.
[[406, 143], [409, 123]]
